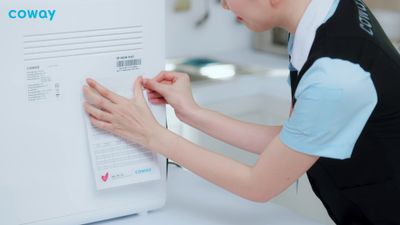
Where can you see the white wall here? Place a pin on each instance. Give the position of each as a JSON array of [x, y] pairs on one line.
[[220, 33]]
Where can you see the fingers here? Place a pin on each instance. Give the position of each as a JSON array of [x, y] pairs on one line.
[[97, 100], [157, 89], [162, 78], [164, 75], [155, 98], [113, 97], [155, 86], [166, 82], [158, 101], [97, 113], [101, 124], [153, 94], [138, 88]]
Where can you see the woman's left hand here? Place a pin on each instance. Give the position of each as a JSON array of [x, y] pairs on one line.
[[130, 119]]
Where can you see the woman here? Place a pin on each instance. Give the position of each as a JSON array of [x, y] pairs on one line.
[[344, 128]]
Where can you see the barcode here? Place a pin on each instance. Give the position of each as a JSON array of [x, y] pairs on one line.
[[130, 62]]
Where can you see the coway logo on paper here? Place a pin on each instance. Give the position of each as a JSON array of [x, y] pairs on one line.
[[143, 170], [32, 14]]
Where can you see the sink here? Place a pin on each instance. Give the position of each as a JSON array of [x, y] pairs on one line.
[[203, 69]]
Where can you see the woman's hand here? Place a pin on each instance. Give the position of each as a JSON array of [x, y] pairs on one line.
[[172, 88], [128, 118]]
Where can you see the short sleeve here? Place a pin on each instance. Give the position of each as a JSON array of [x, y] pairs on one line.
[[335, 99]]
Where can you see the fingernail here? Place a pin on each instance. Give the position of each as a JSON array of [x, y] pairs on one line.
[[90, 81]]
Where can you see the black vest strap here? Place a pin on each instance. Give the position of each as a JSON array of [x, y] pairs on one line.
[[294, 82]]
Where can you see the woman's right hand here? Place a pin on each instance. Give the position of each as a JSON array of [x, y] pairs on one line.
[[172, 88]]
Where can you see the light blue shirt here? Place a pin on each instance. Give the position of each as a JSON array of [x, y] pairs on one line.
[[335, 99]]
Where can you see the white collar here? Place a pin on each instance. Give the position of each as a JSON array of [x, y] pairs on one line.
[[312, 19]]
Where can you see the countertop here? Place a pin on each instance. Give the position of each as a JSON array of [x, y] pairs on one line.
[[192, 200], [246, 63], [251, 57]]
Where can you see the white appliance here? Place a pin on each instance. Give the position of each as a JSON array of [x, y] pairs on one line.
[[48, 48]]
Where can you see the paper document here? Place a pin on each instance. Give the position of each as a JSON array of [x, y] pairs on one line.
[[116, 161]]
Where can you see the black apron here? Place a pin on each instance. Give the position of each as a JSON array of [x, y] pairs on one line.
[[364, 189]]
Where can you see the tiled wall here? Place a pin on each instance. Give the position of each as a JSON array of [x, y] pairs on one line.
[[384, 4]]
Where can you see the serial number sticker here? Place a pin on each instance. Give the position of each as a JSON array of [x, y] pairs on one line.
[[128, 63]]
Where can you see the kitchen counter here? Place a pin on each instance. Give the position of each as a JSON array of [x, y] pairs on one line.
[[272, 77], [192, 200], [230, 65], [251, 57]]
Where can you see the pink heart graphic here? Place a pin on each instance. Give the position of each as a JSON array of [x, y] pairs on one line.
[[105, 177]]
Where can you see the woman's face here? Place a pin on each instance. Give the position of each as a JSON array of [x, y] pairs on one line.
[[255, 14]]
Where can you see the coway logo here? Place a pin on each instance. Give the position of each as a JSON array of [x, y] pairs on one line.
[[32, 14], [143, 170], [365, 20]]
